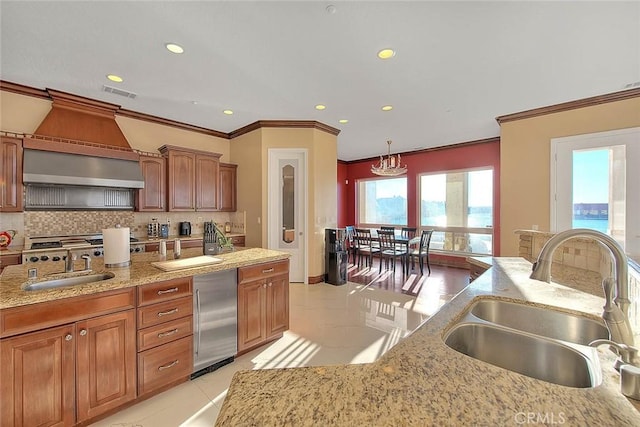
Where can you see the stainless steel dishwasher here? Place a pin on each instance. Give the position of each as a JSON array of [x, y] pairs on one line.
[[215, 319]]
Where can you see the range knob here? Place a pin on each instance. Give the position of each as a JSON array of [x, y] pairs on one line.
[[34, 259], [130, 249], [55, 258], [138, 249], [96, 253], [44, 258]]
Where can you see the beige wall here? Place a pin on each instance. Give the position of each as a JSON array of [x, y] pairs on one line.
[[147, 136], [525, 161], [20, 113], [246, 152]]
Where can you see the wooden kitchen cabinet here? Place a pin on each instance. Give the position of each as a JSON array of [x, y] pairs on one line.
[[152, 198], [228, 192], [263, 303], [165, 334], [11, 193], [9, 259], [192, 179], [83, 366]]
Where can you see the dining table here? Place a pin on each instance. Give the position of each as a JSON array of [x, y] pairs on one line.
[[399, 239]]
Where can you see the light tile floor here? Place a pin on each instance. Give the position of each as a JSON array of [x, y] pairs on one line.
[[353, 323]]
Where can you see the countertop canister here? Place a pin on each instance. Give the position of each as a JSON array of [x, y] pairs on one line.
[[116, 247]]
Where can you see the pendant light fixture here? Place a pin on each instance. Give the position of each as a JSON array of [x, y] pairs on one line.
[[389, 166]]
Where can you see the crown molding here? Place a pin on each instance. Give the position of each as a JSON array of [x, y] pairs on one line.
[[427, 150], [571, 105], [24, 90], [168, 122], [309, 124]]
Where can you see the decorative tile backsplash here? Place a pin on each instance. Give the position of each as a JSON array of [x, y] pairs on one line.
[[58, 223], [585, 254]]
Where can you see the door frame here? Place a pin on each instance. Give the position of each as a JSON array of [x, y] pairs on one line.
[[274, 213]]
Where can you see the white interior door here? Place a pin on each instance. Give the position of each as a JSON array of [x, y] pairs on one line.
[[287, 208]]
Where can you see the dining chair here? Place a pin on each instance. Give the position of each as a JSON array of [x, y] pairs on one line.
[[389, 250], [364, 246], [407, 233], [423, 251], [387, 227], [350, 232]]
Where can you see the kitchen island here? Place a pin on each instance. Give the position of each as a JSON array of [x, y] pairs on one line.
[[421, 381]]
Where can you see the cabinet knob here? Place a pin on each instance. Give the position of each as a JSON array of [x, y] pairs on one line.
[[270, 284], [83, 332], [264, 286], [68, 337]]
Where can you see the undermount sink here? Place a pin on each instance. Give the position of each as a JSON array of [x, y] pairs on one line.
[[540, 321], [526, 354], [69, 281]]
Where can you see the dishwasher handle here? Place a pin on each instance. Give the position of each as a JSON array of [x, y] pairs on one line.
[[198, 329]]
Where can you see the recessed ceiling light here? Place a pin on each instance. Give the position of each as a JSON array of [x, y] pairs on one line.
[[343, 121], [194, 102], [114, 78], [387, 108], [174, 48], [228, 112], [386, 53], [320, 107]]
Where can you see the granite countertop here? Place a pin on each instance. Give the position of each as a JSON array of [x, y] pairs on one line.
[[140, 272], [421, 381]]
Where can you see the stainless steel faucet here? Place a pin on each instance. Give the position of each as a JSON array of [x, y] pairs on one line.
[[617, 321], [68, 262], [87, 262]]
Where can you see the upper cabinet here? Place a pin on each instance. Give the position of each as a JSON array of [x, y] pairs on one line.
[[192, 183], [11, 199], [227, 199], [152, 198]]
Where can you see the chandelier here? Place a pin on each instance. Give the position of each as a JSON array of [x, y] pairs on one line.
[[390, 166]]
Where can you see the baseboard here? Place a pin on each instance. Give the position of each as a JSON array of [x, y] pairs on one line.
[[316, 279]]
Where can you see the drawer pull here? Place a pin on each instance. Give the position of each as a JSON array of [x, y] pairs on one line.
[[164, 313], [268, 270], [170, 365], [167, 291], [168, 333]]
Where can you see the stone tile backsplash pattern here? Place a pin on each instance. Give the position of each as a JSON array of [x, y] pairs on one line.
[[585, 254], [57, 223]]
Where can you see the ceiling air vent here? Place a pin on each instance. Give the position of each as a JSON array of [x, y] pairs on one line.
[[117, 91]]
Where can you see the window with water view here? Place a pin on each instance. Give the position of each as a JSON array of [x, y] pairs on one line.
[[459, 207], [382, 201]]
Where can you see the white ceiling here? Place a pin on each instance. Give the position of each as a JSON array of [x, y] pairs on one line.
[[458, 64]]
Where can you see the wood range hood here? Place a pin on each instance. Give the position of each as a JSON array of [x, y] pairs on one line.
[[79, 143]]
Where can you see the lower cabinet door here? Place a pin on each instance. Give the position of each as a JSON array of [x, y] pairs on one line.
[[38, 381], [164, 365], [251, 314], [106, 360], [277, 320]]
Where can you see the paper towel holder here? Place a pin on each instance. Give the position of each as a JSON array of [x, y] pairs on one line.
[[125, 258]]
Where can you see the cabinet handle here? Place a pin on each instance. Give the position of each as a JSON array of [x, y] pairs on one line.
[[168, 291], [268, 270], [68, 337], [170, 365], [168, 333], [164, 313], [83, 332]]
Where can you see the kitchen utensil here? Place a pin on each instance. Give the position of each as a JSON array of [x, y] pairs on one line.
[[164, 231], [210, 244], [185, 228], [5, 238]]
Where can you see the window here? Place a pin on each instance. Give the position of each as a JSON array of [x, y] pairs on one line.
[[382, 201], [594, 185], [458, 205]]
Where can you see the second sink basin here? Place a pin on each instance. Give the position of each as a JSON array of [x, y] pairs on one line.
[[535, 357], [68, 281], [540, 321]]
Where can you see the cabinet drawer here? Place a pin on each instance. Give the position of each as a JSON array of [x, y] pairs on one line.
[[164, 333], [259, 271], [237, 240], [164, 364], [42, 315], [163, 291], [165, 312]]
